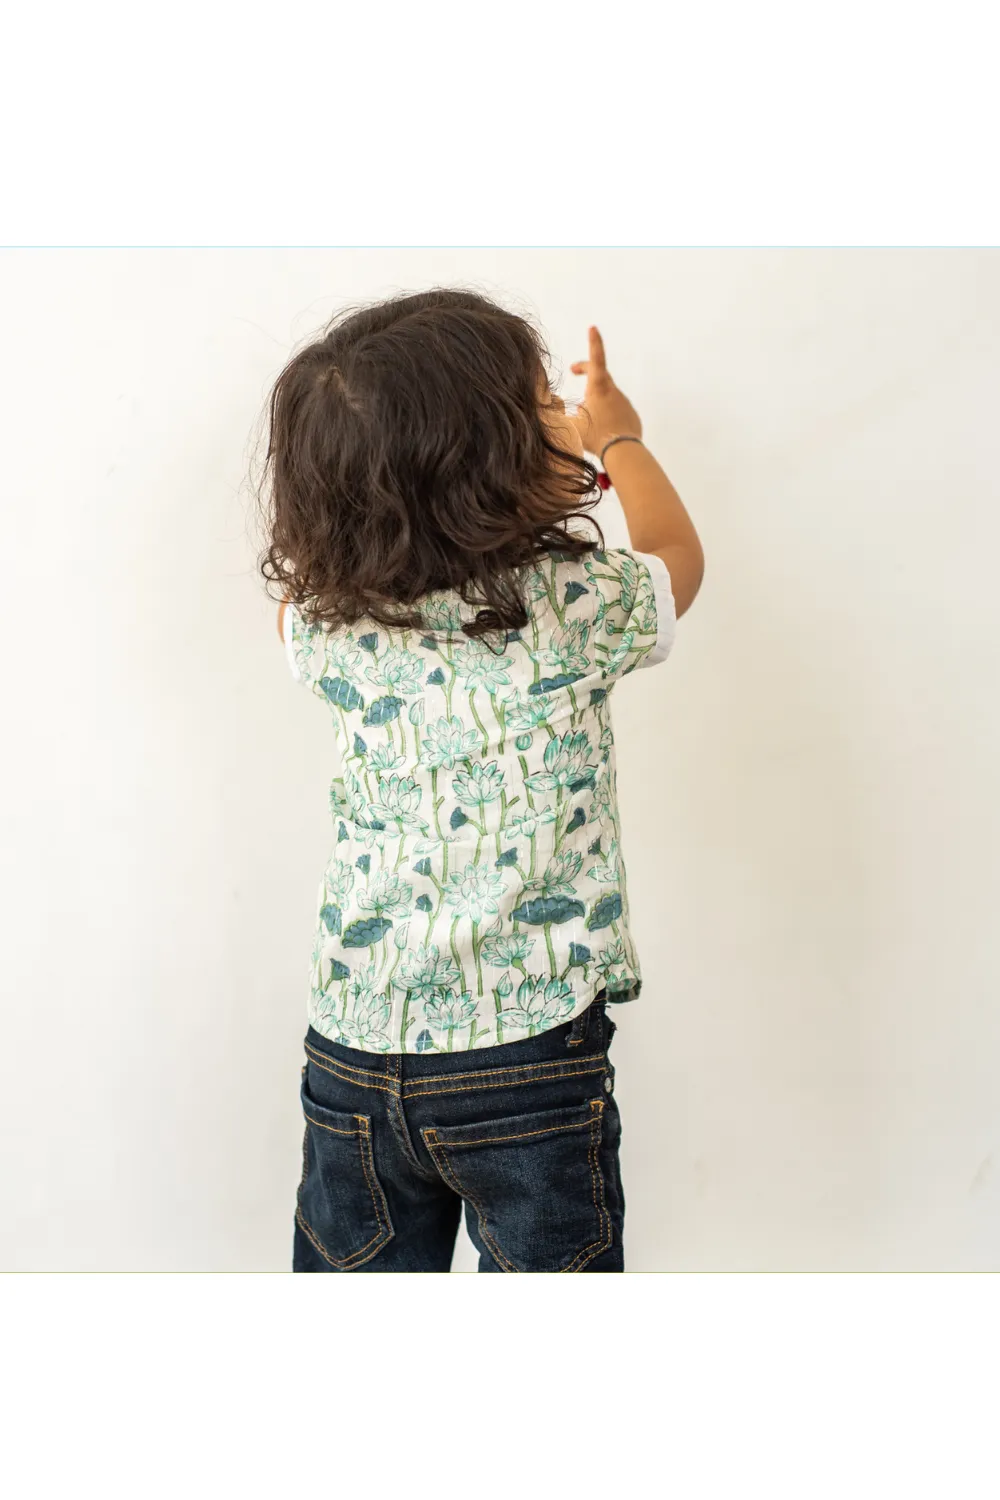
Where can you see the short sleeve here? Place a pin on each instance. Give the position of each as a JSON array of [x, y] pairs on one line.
[[636, 618], [302, 648]]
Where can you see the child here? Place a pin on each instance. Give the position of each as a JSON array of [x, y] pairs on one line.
[[465, 637]]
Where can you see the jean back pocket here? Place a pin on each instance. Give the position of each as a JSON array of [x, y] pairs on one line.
[[341, 1205], [535, 1183]]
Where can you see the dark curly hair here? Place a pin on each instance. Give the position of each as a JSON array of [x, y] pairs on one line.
[[407, 453]]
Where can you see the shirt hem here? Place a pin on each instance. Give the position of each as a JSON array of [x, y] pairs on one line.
[[510, 1033]]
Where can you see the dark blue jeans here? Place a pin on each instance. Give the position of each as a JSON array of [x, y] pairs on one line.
[[525, 1135]]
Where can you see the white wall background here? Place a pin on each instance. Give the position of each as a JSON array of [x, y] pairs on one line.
[[809, 787]]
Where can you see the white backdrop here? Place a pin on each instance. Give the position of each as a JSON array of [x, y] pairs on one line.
[[810, 1079]]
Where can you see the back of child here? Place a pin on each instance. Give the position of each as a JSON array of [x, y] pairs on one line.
[[452, 605]]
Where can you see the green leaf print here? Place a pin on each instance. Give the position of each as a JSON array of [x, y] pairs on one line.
[[383, 711], [483, 879], [604, 912], [331, 916], [587, 779], [341, 693], [549, 684], [365, 933], [630, 582], [544, 909]]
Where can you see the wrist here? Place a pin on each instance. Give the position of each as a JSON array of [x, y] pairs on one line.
[[605, 442]]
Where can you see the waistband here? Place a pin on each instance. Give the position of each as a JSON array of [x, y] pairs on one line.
[[574, 1048]]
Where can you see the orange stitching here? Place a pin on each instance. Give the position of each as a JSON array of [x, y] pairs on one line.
[[447, 1171], [383, 1233], [365, 1073], [305, 1158], [598, 1105], [318, 1051], [553, 1062], [366, 1142], [603, 1217], [575, 1041], [547, 1078], [579, 1259], [340, 1265], [331, 1128], [405, 1142], [489, 1140], [327, 1068]]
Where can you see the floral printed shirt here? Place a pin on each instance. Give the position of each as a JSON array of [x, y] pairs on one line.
[[475, 893]]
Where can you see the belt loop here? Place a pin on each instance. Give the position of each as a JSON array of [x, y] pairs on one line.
[[601, 1021], [578, 1030]]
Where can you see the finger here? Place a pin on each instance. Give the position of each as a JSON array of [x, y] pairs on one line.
[[580, 368], [597, 356]]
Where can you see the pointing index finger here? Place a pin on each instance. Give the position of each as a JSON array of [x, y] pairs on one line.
[[598, 362]]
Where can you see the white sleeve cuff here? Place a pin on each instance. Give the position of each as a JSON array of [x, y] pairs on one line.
[[666, 609], [286, 630]]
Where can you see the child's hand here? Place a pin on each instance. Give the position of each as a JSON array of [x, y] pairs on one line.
[[605, 411]]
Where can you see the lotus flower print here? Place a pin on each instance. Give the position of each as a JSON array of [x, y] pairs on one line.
[[474, 892], [424, 970], [527, 823], [565, 761], [478, 666], [540, 1002], [399, 670], [441, 614], [566, 651], [525, 714], [475, 889], [399, 797], [339, 880], [447, 1011], [446, 743], [386, 758], [502, 952], [387, 895], [479, 785]]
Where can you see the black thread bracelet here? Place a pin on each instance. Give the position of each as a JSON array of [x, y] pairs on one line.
[[626, 437]]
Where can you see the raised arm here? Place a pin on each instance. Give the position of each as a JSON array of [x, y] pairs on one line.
[[654, 512]]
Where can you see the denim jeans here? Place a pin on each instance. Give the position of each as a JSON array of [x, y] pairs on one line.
[[525, 1134]]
